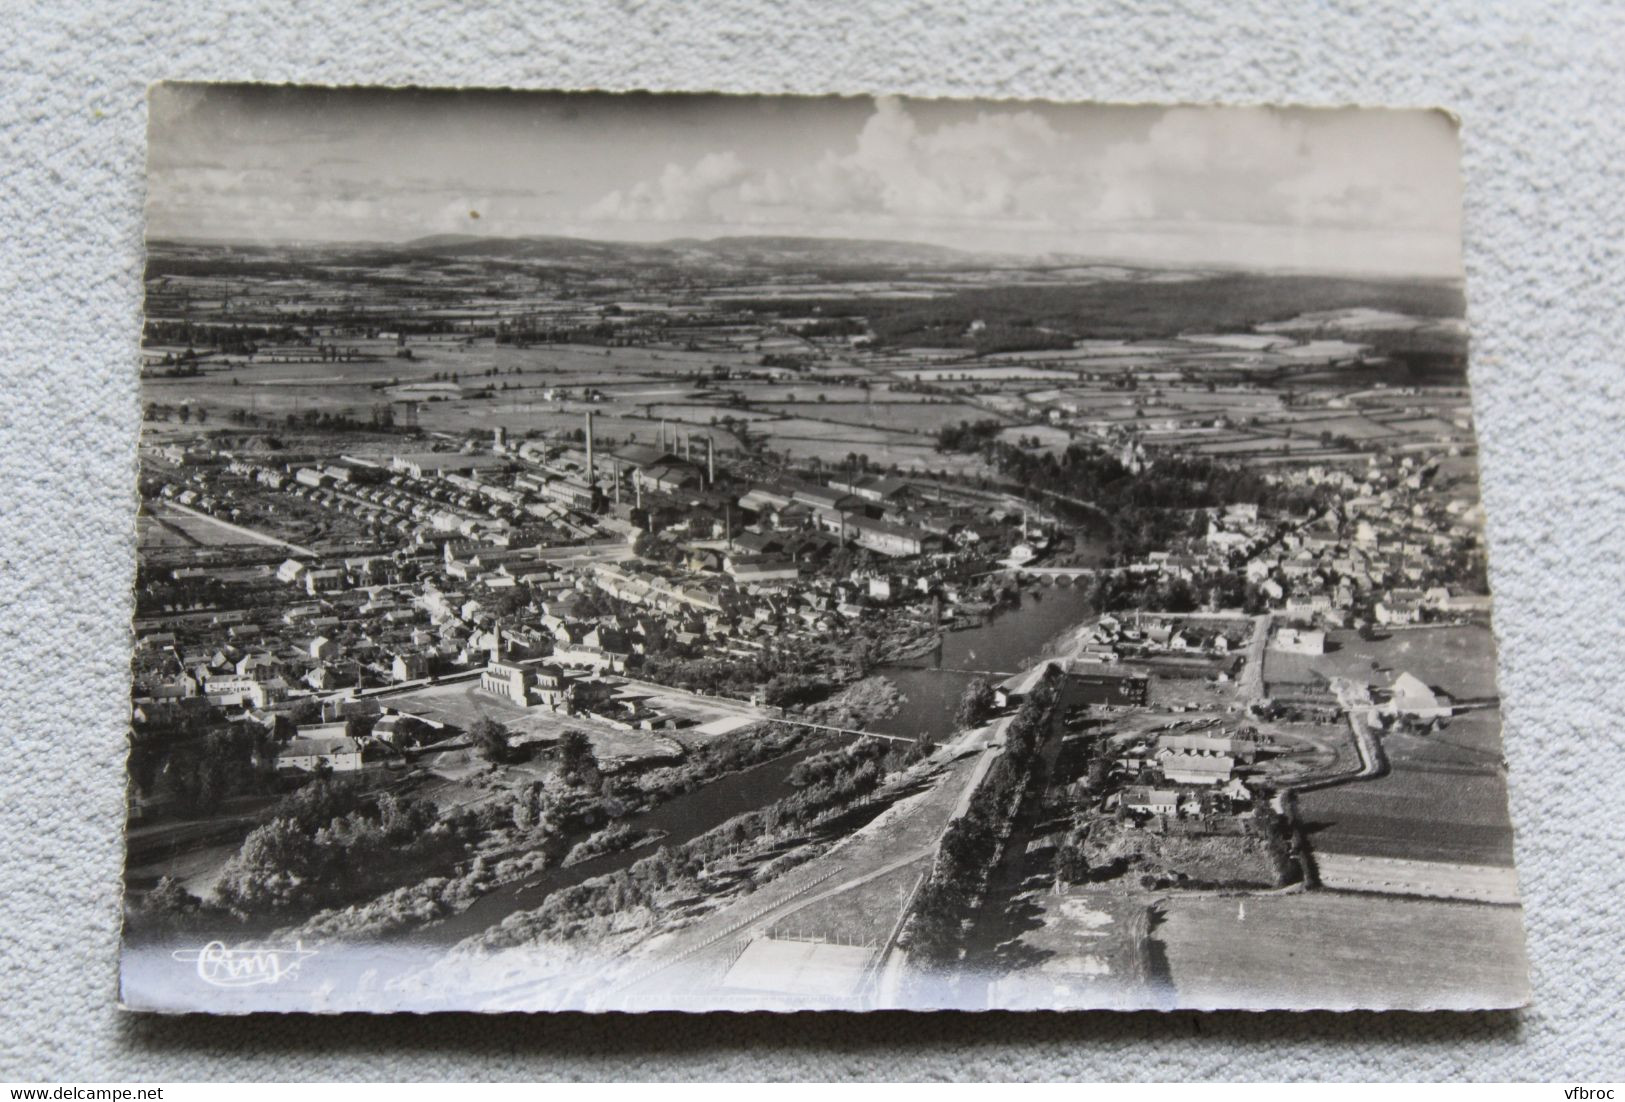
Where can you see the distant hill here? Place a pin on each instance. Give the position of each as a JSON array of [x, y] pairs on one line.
[[751, 252]]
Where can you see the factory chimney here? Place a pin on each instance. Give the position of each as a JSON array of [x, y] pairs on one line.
[[637, 482], [663, 444], [617, 463], [710, 462], [688, 447], [592, 479]]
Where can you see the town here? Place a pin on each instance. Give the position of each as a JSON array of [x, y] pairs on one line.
[[789, 629]]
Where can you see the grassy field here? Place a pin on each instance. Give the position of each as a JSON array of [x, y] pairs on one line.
[[1460, 660], [154, 532], [1332, 951]]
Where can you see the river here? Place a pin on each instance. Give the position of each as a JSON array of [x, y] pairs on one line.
[[681, 818], [1009, 641], [932, 685]]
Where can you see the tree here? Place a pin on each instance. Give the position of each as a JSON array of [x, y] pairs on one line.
[[975, 703], [490, 739], [277, 868], [1071, 865], [577, 763], [863, 655], [531, 807], [170, 903]]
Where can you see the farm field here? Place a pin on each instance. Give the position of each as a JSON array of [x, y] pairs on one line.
[[1414, 813], [1431, 879], [789, 391], [1335, 951], [1459, 659], [696, 413], [1007, 373], [920, 417], [1048, 436], [1358, 428], [802, 428], [1250, 445]]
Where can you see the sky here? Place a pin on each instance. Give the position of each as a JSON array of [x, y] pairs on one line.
[[1354, 190]]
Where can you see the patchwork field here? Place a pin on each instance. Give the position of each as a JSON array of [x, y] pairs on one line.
[[1417, 814]]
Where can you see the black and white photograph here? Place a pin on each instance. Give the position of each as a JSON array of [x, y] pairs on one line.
[[642, 552]]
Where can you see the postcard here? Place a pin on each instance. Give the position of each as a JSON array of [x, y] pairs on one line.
[[637, 552]]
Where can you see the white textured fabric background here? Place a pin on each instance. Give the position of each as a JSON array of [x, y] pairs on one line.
[[1540, 93]]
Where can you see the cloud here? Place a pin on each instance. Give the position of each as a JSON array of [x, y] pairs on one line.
[[980, 169], [1191, 184], [1381, 170], [678, 194], [991, 167], [1211, 170]]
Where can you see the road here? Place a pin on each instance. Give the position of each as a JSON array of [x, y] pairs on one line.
[[1250, 689], [1355, 699]]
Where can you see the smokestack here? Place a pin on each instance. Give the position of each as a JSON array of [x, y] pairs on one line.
[[637, 482], [663, 444], [592, 479], [688, 447], [710, 462], [617, 481]]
